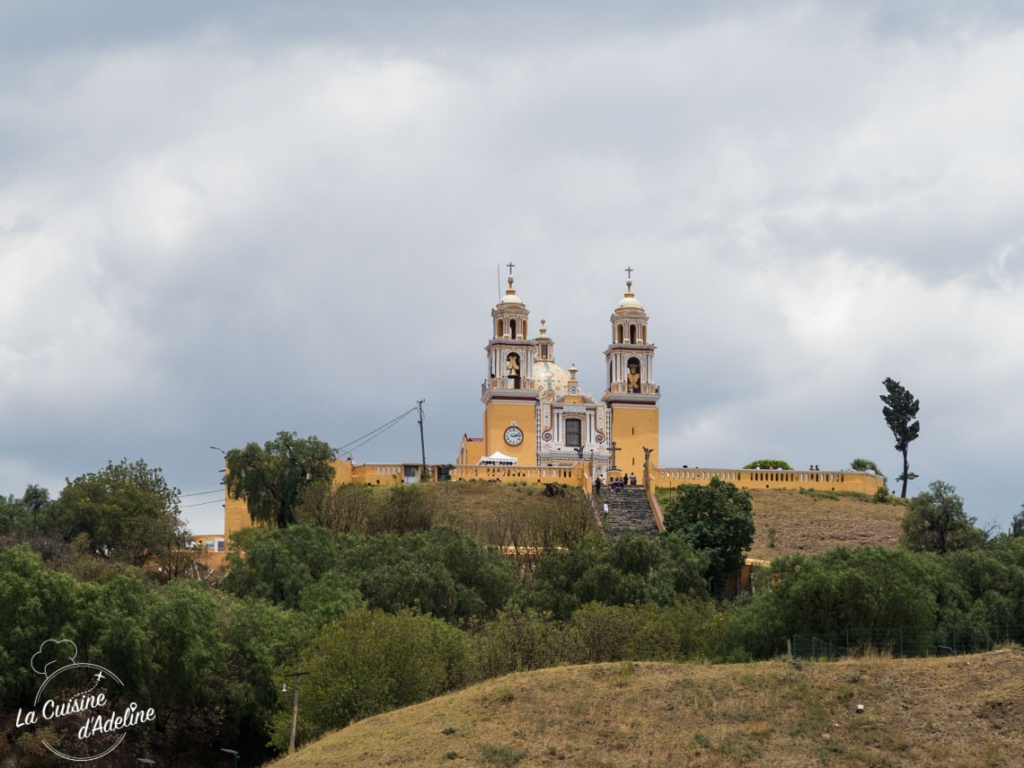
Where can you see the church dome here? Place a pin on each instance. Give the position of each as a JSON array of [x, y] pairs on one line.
[[550, 376], [629, 301], [510, 296]]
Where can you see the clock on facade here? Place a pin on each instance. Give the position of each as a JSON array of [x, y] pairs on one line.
[[513, 435]]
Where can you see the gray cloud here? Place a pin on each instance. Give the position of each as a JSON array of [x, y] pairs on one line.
[[215, 224]]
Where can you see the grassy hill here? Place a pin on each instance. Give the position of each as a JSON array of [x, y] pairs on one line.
[[961, 711], [811, 522], [787, 522]]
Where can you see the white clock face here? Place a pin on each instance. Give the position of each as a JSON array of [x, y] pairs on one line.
[[513, 435]]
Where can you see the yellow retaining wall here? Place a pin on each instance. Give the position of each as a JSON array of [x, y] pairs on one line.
[[515, 474], [375, 474], [793, 480]]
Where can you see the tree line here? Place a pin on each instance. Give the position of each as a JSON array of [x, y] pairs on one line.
[[383, 621], [385, 604]]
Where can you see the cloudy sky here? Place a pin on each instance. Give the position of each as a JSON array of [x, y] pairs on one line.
[[221, 220]]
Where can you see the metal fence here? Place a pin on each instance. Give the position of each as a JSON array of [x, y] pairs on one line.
[[902, 642]]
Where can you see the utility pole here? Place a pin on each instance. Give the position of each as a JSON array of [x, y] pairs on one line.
[[297, 674], [423, 449]]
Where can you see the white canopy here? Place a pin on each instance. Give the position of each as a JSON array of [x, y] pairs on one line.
[[498, 459]]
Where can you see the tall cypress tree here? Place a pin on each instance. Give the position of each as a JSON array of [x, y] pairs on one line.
[[900, 411]]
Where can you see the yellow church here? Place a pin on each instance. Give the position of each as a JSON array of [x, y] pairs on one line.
[[539, 426], [536, 415]]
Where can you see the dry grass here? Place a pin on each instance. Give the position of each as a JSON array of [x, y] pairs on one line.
[[963, 711], [498, 514], [787, 522], [813, 523]]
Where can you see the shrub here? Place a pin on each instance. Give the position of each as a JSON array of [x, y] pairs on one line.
[[865, 465], [369, 662], [768, 464]]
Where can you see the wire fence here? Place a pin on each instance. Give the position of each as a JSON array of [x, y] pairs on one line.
[[903, 642]]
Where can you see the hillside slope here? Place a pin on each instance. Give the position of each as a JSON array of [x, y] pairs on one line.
[[962, 711], [791, 522], [786, 522]]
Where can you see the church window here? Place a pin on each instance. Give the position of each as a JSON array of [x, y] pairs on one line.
[[618, 330], [512, 328], [573, 433], [544, 351], [633, 377], [501, 328], [632, 333]]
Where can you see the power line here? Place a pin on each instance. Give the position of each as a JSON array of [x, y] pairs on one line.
[[201, 493], [361, 441], [201, 504]]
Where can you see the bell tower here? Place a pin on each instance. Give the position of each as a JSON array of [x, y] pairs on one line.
[[631, 395], [510, 392]]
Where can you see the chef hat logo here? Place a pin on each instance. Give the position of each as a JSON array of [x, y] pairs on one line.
[[55, 654]]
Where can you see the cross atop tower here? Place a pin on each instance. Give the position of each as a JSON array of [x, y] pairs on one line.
[[629, 273], [510, 265]]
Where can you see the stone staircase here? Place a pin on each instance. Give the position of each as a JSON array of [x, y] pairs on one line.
[[628, 510]]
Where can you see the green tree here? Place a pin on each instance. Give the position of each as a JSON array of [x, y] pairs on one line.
[[127, 510], [860, 597], [441, 572], [644, 632], [23, 518], [936, 521], [863, 465], [630, 569], [900, 411], [716, 519], [274, 478], [768, 464], [260, 638], [278, 564], [1017, 524], [369, 662], [38, 604], [12, 515], [35, 499], [519, 639]]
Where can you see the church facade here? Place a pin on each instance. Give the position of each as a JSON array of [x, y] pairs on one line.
[[537, 415]]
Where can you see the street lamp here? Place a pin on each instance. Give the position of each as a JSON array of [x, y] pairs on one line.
[[297, 674], [232, 753]]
